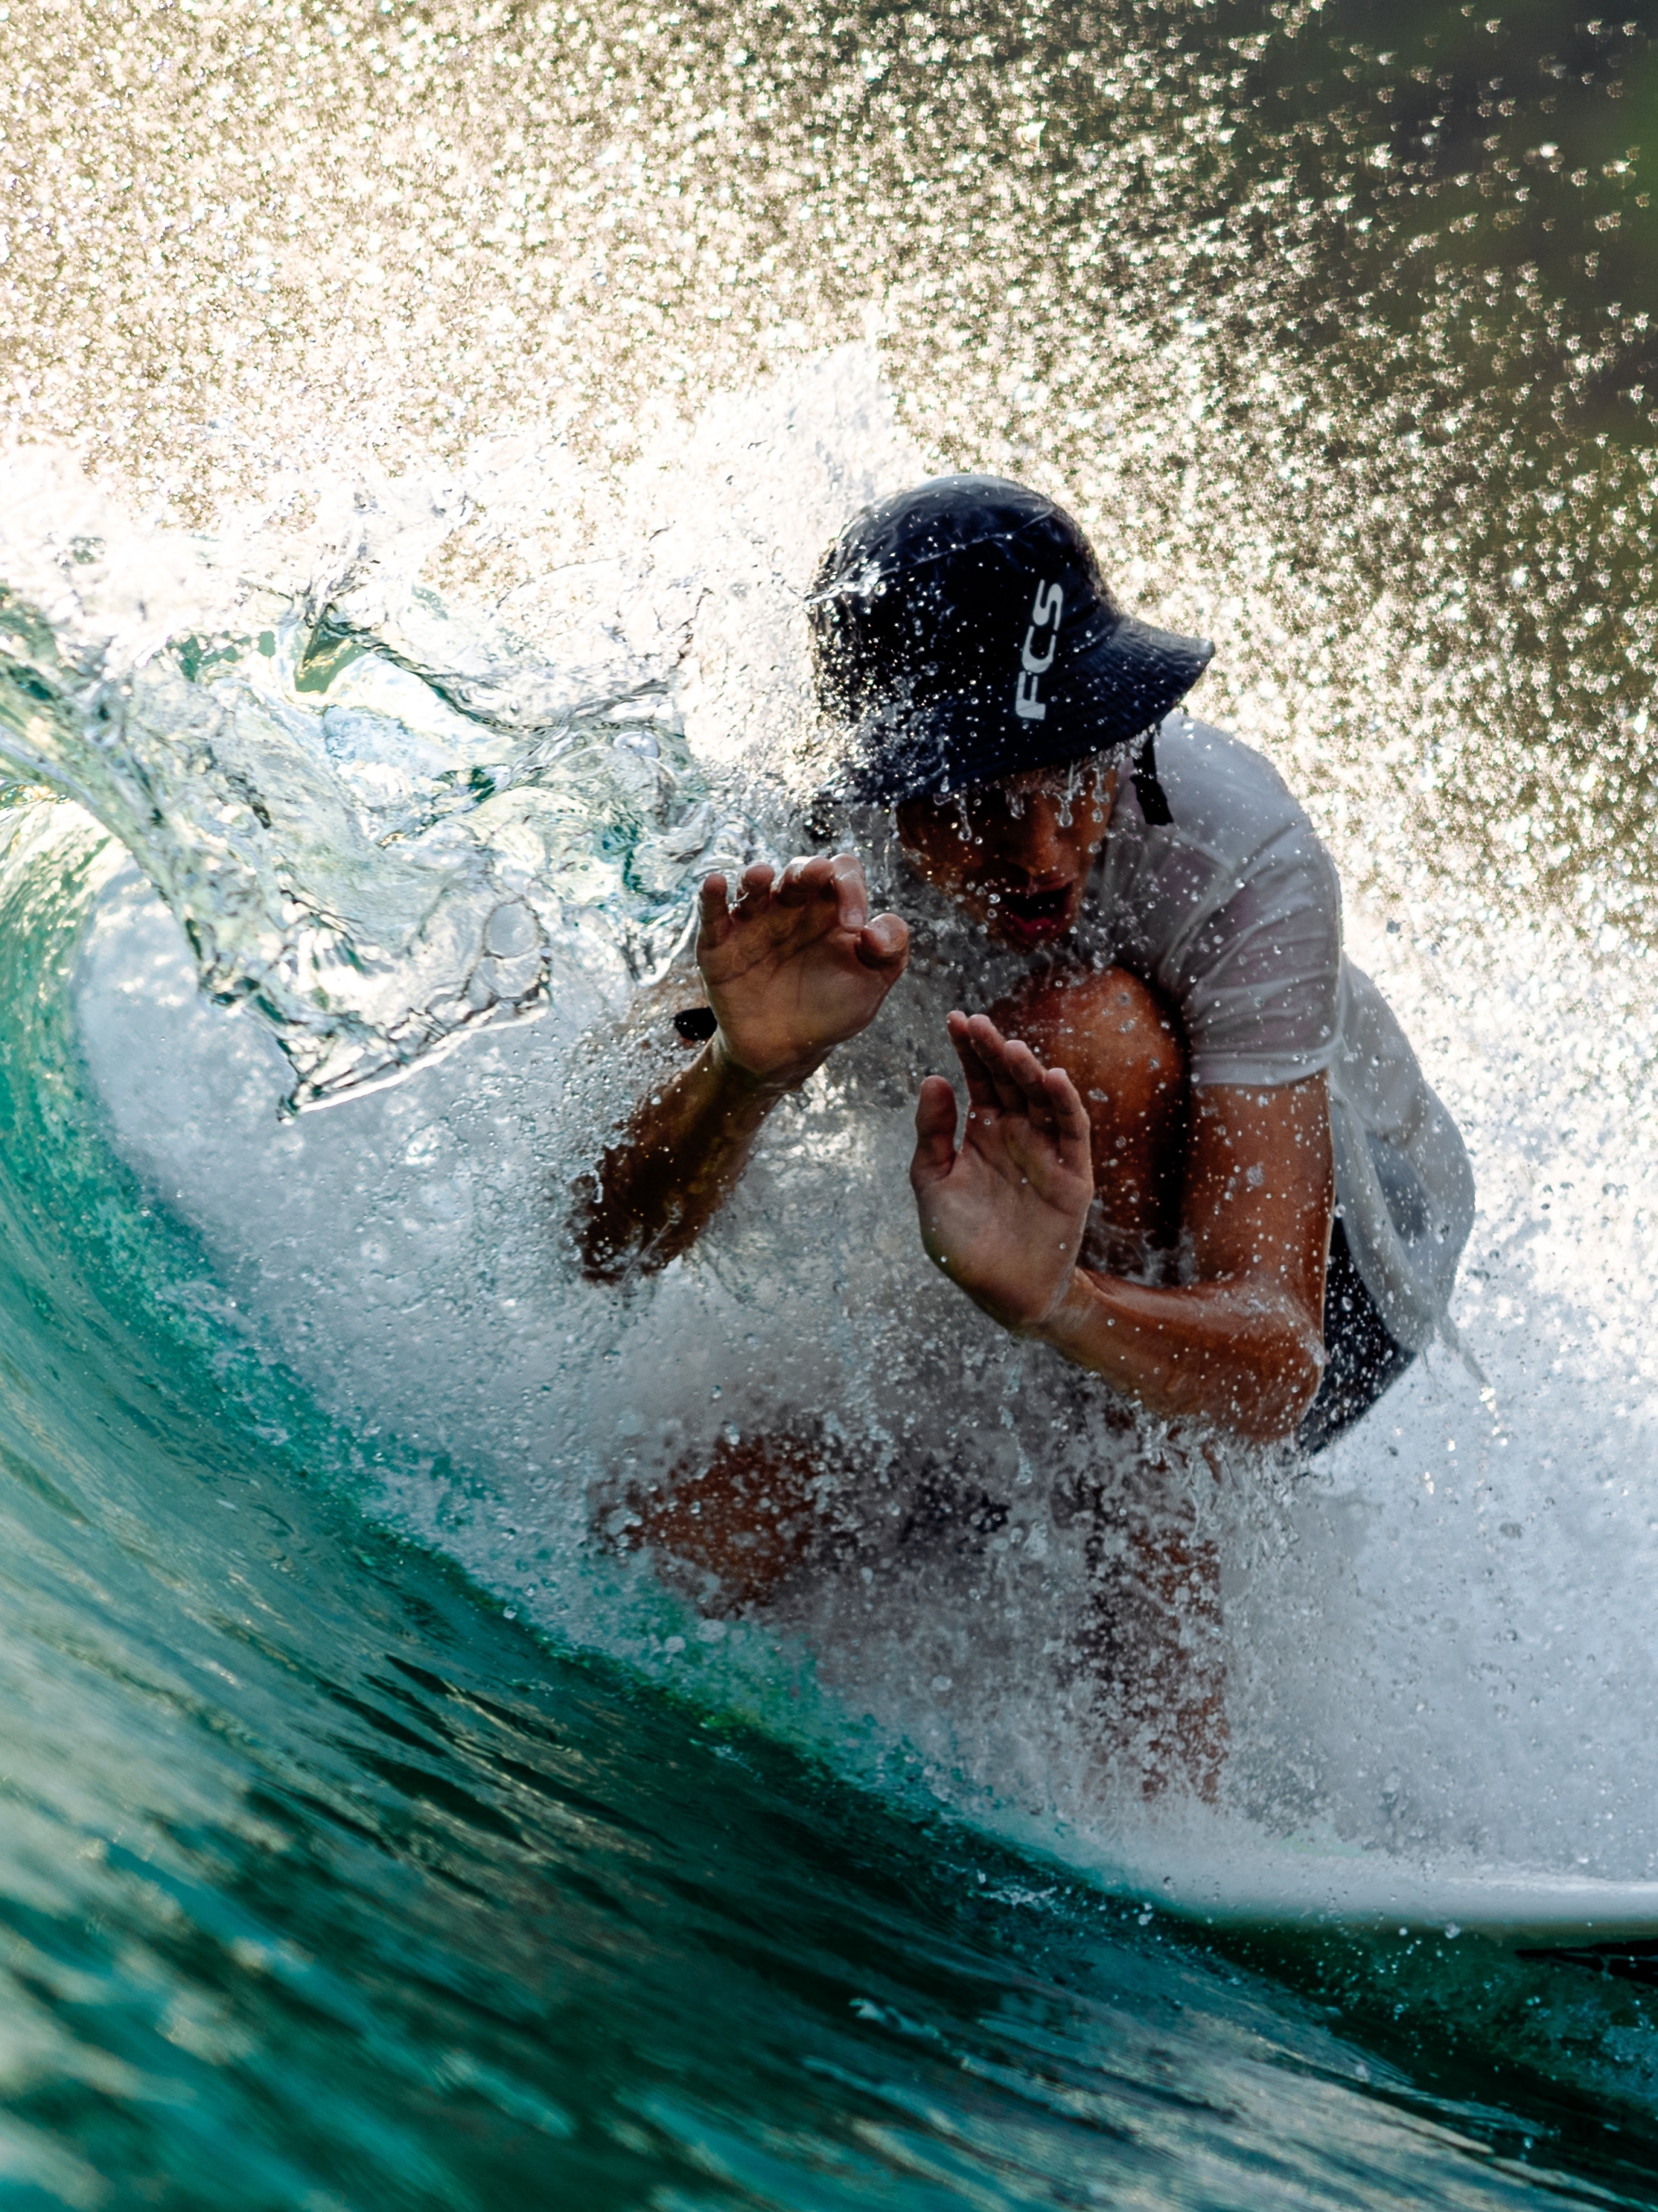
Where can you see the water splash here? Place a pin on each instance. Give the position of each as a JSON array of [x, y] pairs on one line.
[[410, 1260], [386, 822]]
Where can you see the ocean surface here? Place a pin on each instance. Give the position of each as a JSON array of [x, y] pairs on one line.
[[421, 427]]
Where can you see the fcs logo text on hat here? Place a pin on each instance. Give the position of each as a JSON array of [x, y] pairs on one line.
[[1049, 605]]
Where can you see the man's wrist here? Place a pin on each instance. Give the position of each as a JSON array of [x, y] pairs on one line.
[[730, 1071], [1070, 1315]]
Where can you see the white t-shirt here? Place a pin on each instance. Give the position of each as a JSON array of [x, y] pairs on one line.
[[1233, 909]]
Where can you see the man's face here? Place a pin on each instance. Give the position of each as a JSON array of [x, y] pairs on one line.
[[1017, 853]]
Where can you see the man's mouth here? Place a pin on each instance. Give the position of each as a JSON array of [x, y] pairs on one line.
[[1036, 913]]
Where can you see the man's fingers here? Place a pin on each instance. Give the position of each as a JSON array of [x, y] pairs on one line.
[[847, 872], [992, 1048], [784, 909], [885, 944], [1068, 1110], [753, 889], [980, 1091], [1011, 1077], [840, 879], [714, 910], [935, 1133], [812, 896], [804, 880], [1032, 1077], [1070, 1122]]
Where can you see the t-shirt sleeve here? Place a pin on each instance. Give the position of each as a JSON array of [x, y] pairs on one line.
[[1259, 983]]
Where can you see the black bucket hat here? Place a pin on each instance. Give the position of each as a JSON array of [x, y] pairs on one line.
[[964, 631]]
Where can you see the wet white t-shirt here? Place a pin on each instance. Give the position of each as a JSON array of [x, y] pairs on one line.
[[1232, 908]]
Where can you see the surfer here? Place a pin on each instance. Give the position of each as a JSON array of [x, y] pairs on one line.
[[1199, 1160]]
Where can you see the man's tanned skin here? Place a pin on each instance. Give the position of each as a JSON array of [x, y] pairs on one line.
[[795, 965], [792, 966]]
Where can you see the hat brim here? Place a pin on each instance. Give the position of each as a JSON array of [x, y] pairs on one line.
[[1109, 692]]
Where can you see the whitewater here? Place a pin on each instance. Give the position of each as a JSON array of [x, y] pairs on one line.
[[419, 860]]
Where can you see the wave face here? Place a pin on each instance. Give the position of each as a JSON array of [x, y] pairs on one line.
[[327, 1882], [369, 860], [391, 633]]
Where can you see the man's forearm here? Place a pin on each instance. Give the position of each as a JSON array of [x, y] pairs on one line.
[[657, 1189], [1241, 1355]]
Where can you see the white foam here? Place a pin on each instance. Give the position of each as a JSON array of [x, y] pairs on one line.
[[1441, 1645]]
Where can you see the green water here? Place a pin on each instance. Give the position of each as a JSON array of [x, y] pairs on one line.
[[326, 1886], [322, 1883]]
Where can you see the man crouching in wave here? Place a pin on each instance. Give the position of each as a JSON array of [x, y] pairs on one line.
[[1189, 1060]]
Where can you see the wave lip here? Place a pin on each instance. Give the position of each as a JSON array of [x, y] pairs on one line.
[[378, 852]]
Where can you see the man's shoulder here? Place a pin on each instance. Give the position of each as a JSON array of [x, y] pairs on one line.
[[1223, 791], [1200, 759]]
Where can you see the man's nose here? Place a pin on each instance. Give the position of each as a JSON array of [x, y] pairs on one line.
[[1033, 842]]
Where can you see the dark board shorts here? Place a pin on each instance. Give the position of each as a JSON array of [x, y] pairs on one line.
[[1362, 1358]]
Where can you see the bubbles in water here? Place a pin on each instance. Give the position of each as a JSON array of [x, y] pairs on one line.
[[522, 486], [1396, 1669], [382, 822]]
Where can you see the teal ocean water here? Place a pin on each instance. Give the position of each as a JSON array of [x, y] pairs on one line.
[[423, 424]]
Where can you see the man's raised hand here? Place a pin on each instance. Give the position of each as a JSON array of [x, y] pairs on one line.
[[794, 965], [1004, 1216]]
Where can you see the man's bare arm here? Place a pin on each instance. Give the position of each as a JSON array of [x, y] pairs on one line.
[[1241, 1347], [677, 1161], [792, 968]]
